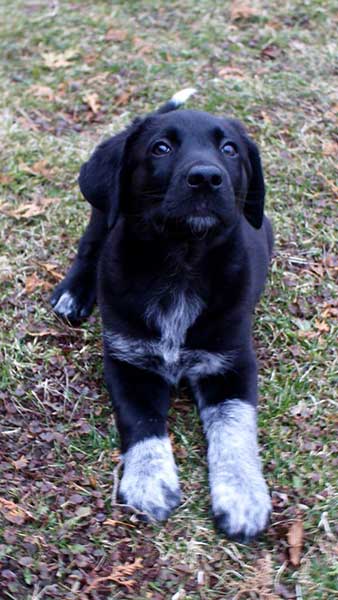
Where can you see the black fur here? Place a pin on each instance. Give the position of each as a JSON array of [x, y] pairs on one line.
[[141, 249]]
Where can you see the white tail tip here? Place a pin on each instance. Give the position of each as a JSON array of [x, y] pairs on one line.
[[182, 96]]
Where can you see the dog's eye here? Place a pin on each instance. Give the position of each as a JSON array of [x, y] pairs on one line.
[[229, 149], [160, 148]]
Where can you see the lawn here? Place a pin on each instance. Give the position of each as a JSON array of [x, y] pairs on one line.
[[71, 74]]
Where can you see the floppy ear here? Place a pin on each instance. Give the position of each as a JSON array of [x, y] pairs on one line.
[[99, 178], [253, 207]]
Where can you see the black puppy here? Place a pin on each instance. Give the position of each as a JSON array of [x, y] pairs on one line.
[[177, 252]]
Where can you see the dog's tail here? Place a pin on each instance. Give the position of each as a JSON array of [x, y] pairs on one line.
[[177, 100]]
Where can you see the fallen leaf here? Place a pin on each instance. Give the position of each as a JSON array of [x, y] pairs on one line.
[[142, 46], [227, 72], [119, 575], [295, 540], [42, 91], [52, 270], [330, 148], [25, 561], [28, 210], [33, 282], [116, 35], [14, 513], [93, 102], [38, 168], [54, 60], [92, 481], [242, 10], [321, 326], [21, 463], [4, 179], [272, 52], [83, 511], [122, 99]]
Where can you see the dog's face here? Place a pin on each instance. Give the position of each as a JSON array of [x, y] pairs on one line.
[[180, 170]]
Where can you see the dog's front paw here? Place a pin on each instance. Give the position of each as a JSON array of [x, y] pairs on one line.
[[73, 301], [241, 507], [150, 483]]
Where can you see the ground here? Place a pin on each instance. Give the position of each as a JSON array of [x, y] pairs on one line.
[[72, 73]]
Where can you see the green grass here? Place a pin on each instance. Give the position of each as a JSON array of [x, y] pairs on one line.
[[273, 69]]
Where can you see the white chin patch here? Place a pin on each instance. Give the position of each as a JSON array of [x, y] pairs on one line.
[[65, 305], [200, 224], [240, 498], [182, 96], [150, 483]]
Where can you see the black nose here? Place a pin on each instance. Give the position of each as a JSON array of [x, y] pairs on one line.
[[201, 176]]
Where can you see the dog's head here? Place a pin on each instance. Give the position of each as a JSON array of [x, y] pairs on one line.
[[177, 169]]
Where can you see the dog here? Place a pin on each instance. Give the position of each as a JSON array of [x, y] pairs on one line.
[[176, 253]]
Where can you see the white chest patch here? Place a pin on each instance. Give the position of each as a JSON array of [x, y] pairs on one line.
[[173, 324], [167, 354]]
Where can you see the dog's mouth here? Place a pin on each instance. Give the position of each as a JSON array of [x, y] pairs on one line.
[[201, 221]]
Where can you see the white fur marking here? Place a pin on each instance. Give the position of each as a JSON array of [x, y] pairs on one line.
[[149, 355], [65, 305], [174, 323], [201, 223], [182, 96], [150, 481], [238, 490]]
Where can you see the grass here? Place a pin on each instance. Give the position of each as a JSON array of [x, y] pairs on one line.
[[72, 73]]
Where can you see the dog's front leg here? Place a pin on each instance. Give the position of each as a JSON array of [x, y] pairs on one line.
[[74, 298], [240, 498], [141, 401]]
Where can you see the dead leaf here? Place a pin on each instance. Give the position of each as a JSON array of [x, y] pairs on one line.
[[5, 179], [38, 168], [242, 10], [28, 210], [330, 148], [272, 52], [142, 46], [14, 513], [116, 35], [119, 575], [122, 99], [260, 583], [20, 463], [42, 91], [227, 72], [92, 481], [32, 283], [331, 184], [322, 326], [54, 60], [93, 102], [52, 270], [295, 540]]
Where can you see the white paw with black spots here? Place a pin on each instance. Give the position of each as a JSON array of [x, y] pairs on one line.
[[240, 498], [242, 510], [150, 483]]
